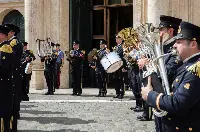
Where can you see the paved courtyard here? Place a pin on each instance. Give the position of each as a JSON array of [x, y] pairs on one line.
[[65, 113]]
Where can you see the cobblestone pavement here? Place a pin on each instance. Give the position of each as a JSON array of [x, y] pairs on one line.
[[65, 113]]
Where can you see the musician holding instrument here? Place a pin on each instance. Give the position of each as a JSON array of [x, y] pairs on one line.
[[118, 77], [168, 27], [183, 105], [59, 65], [100, 72], [75, 59], [92, 65], [50, 60], [6, 72], [17, 76], [27, 59]]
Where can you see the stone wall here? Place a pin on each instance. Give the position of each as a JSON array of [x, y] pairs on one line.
[[47, 19], [43, 19], [150, 10]]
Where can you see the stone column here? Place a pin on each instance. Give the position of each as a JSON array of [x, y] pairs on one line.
[[139, 12], [34, 23], [64, 40], [155, 8]]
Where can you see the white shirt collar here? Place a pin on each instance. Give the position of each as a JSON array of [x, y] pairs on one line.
[[11, 38], [191, 57]]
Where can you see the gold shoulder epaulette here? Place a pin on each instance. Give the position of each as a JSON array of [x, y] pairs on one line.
[[6, 48], [13, 42], [195, 69], [31, 51], [83, 51], [55, 53]]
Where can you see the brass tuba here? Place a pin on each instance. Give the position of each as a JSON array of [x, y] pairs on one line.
[[130, 37], [151, 47]]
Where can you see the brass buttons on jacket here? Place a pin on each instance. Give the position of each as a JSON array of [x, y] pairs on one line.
[[177, 128], [190, 129], [177, 80]]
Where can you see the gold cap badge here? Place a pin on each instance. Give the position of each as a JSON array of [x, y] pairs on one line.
[[179, 30], [187, 86]]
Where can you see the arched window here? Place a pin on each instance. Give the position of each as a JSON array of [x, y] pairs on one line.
[[16, 18]]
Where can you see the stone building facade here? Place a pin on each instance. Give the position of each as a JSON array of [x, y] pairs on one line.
[[51, 18]]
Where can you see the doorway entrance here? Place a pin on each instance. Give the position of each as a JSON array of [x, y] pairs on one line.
[[108, 18]]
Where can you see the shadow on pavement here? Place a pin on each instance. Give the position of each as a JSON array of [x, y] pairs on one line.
[[58, 120]]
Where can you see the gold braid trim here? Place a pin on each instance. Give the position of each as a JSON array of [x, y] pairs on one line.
[[13, 42], [6, 48], [195, 69]]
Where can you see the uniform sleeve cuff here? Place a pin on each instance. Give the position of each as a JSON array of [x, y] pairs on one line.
[[151, 99]]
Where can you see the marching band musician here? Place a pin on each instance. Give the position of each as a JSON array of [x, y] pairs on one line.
[[100, 72], [168, 25], [59, 65], [183, 105], [17, 76], [134, 80], [76, 57], [6, 81], [27, 57], [92, 65], [118, 77], [49, 69]]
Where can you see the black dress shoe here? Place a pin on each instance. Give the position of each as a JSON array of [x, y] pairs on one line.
[[51, 93], [47, 93], [116, 96], [138, 109], [79, 94], [74, 94], [133, 108], [143, 118], [121, 97]]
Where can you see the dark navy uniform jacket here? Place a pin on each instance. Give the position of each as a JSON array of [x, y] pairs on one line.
[[183, 106], [6, 68], [100, 54], [27, 53], [119, 50], [77, 58], [17, 50]]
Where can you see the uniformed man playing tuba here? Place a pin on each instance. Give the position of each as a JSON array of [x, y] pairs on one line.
[[183, 105], [168, 27]]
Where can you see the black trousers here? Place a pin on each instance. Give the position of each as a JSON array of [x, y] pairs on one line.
[[26, 84], [76, 81], [157, 86], [119, 82], [101, 82], [93, 78], [55, 75], [134, 81], [49, 80]]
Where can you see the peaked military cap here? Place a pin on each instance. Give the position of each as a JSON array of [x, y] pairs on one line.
[[4, 30], [13, 28], [168, 21], [57, 44], [25, 43], [102, 42], [75, 42], [188, 31]]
